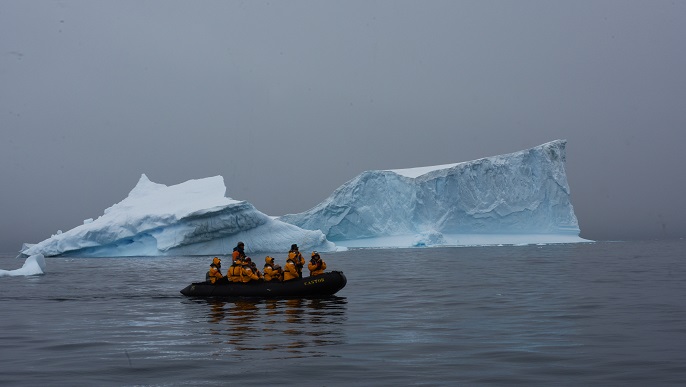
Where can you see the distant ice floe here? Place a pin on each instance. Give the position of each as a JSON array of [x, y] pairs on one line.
[[34, 265]]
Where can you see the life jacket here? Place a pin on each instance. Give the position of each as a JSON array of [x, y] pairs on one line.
[[238, 253], [316, 266], [272, 273], [214, 274], [296, 257], [290, 271], [235, 273], [298, 260], [248, 274]]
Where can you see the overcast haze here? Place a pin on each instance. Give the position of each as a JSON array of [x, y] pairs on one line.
[[287, 100]]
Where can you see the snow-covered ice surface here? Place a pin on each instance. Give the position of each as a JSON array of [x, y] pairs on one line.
[[517, 198], [34, 265], [191, 218]]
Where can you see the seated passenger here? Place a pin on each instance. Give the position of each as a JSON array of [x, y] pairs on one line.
[[235, 272], [248, 274], [316, 265], [272, 272], [253, 266], [290, 271], [215, 272]]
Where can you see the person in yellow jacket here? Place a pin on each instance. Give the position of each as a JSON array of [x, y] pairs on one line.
[[215, 272], [297, 258], [235, 271], [316, 265], [290, 271], [272, 271], [249, 274], [254, 268]]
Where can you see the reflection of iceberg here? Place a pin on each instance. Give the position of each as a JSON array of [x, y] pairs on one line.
[[34, 265], [191, 218], [517, 198]]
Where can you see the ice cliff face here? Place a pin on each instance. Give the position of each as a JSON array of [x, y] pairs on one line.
[[525, 192], [191, 218]]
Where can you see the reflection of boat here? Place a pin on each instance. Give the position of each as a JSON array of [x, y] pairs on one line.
[[321, 285]]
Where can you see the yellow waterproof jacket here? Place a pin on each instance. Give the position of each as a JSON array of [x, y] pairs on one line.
[[272, 273], [316, 267], [235, 273], [298, 259], [214, 274], [290, 271], [248, 274]]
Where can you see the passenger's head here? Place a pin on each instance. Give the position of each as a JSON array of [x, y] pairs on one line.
[[294, 246], [217, 261], [241, 244], [269, 260], [315, 254]]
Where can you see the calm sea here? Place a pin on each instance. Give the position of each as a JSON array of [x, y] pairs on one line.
[[607, 313]]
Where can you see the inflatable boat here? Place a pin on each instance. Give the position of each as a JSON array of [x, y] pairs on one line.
[[325, 284]]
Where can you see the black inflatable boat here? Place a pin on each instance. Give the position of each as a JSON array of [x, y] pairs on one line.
[[321, 285]]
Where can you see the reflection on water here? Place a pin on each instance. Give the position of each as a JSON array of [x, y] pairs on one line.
[[589, 314], [295, 326]]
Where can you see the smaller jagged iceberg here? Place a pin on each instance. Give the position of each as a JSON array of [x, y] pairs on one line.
[[33, 265], [191, 218], [517, 198]]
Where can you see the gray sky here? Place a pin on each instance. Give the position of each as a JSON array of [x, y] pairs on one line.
[[287, 100]]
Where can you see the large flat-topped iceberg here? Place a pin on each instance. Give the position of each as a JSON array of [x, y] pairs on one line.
[[191, 218], [517, 198]]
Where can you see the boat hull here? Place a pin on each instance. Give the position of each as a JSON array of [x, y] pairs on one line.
[[325, 284]]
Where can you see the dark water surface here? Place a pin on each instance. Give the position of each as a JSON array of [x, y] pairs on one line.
[[600, 314]]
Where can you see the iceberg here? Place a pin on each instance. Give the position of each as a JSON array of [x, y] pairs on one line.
[[191, 218], [34, 265], [517, 198]]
